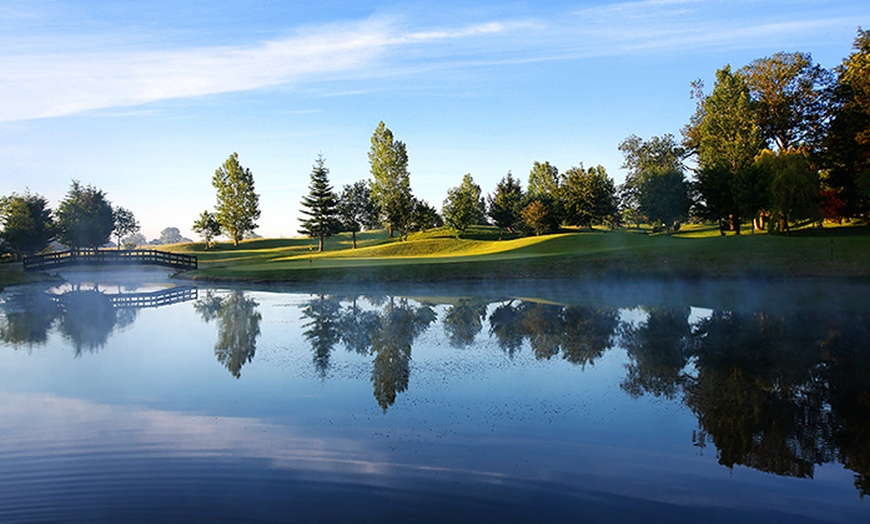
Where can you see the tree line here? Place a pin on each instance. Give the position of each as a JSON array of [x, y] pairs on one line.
[[778, 142]]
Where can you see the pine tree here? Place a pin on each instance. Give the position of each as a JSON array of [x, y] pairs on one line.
[[321, 206]]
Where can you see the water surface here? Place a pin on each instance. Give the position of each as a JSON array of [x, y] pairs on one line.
[[154, 401]]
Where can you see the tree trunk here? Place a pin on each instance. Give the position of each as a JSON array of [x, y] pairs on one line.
[[390, 227], [353, 235], [320, 245]]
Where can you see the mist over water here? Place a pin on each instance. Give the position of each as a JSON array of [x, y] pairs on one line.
[[598, 401]]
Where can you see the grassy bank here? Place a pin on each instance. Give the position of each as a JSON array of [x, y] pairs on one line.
[[479, 256]]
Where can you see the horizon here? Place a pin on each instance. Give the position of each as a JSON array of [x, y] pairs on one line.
[[146, 101]]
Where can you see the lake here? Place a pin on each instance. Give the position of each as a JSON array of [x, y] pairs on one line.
[[144, 399]]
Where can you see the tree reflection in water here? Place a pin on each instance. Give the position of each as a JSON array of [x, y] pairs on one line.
[[238, 327], [777, 392]]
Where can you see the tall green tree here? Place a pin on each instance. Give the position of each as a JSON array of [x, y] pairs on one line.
[[505, 205], [320, 205], [125, 223], [847, 143], [207, 227], [794, 187], [663, 197], [84, 217], [28, 226], [424, 216], [729, 138], [356, 209], [791, 97], [391, 184], [464, 205], [588, 196], [646, 158], [238, 206], [543, 181]]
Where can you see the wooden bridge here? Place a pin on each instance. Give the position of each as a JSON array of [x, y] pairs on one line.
[[136, 257]]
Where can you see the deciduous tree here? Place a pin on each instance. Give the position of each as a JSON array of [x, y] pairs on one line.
[[356, 209], [238, 206], [125, 223], [207, 227], [391, 185], [588, 196]]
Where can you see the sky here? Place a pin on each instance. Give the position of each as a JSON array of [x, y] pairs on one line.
[[145, 100]]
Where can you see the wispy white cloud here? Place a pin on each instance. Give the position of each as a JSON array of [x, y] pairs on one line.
[[40, 85], [35, 84]]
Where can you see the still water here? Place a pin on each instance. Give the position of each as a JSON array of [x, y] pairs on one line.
[[154, 401]]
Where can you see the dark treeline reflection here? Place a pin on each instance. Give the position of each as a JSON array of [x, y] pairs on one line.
[[778, 392], [84, 316], [781, 393]]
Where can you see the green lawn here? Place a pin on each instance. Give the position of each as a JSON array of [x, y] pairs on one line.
[[695, 252]]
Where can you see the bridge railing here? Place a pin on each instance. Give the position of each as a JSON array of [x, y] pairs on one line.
[[108, 257]]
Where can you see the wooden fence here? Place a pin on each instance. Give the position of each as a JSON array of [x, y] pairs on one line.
[[136, 257]]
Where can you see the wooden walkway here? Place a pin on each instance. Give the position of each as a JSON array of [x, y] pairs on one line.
[[136, 257]]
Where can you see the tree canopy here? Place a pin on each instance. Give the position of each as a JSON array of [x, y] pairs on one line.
[[464, 205], [505, 205], [238, 206], [84, 217], [28, 226], [588, 196], [391, 184]]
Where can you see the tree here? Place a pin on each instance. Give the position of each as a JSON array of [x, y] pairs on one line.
[[391, 187], [170, 235], [729, 138], [207, 227], [663, 197], [125, 223], [424, 216], [238, 206], [464, 205], [356, 209], [505, 205], [84, 217], [847, 143], [543, 181], [321, 206], [27, 223], [588, 196], [646, 158], [794, 187], [791, 98], [537, 217]]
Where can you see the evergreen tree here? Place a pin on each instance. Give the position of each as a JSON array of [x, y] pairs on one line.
[[238, 206], [27, 223], [84, 217], [464, 205], [505, 206], [321, 206]]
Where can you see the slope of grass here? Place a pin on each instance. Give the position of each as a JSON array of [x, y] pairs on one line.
[[439, 256]]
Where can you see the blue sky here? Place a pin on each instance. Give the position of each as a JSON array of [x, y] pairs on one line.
[[146, 99]]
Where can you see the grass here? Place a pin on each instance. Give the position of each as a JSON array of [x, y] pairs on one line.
[[695, 252], [438, 255]]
